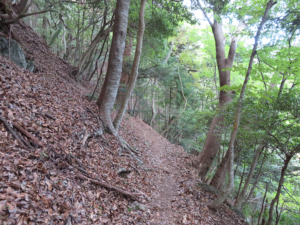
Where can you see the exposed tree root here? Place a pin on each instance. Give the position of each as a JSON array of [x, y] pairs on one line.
[[21, 140], [66, 157], [134, 196], [106, 123], [34, 139]]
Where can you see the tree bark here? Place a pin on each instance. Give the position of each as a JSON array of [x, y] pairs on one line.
[[213, 138], [263, 204], [220, 174], [224, 194], [109, 90], [154, 112], [281, 181], [240, 198], [254, 184], [135, 66]]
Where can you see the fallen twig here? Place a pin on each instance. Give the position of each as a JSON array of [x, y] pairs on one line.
[[135, 169], [127, 193], [77, 160], [50, 116], [27, 134], [9, 129], [109, 150], [47, 115]]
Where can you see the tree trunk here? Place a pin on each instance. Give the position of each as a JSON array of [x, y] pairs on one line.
[[263, 204], [254, 184], [278, 214], [220, 174], [224, 194], [281, 181], [109, 90], [240, 198], [135, 66], [213, 138], [241, 182], [154, 112], [100, 36], [125, 75]]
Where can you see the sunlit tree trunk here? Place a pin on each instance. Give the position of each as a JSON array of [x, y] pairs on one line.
[[135, 66], [213, 138], [224, 193], [109, 90]]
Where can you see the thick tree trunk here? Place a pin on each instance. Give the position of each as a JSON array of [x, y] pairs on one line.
[[240, 198], [125, 75], [109, 90], [213, 138], [281, 181], [224, 194], [135, 66]]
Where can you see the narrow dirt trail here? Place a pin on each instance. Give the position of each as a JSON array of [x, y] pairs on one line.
[[165, 179], [175, 198], [165, 173]]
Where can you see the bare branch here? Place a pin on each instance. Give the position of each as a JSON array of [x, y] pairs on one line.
[[10, 21], [210, 23]]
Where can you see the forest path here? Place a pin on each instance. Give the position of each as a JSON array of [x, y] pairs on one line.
[[168, 174], [175, 197], [164, 179]]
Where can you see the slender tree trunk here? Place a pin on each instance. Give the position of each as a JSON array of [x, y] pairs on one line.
[[224, 194], [254, 184], [281, 181], [109, 90], [241, 182], [96, 66], [154, 85], [278, 214], [135, 66], [45, 27], [263, 204], [240, 198], [154, 112], [220, 174], [100, 37], [100, 75]]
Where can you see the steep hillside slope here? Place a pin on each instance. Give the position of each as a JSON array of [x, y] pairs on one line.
[[61, 171]]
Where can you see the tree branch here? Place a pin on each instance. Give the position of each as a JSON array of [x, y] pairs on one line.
[[101, 183], [10, 21], [210, 23]]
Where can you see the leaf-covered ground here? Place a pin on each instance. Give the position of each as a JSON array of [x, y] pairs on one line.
[[55, 180]]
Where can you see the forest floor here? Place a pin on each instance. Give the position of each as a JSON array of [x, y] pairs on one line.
[[59, 177]]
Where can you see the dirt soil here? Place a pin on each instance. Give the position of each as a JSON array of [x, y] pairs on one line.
[[57, 178], [176, 198]]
